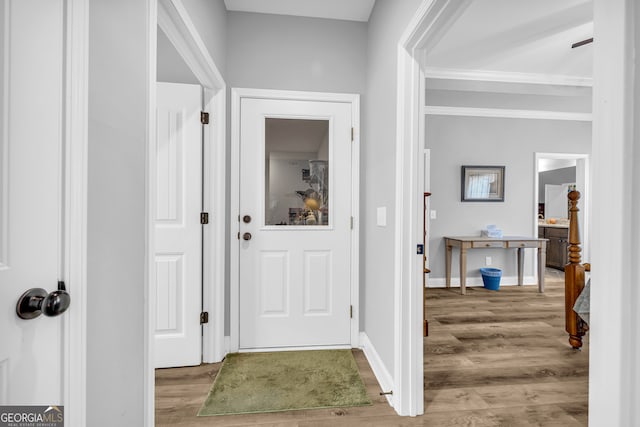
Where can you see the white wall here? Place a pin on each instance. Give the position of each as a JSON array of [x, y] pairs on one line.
[[457, 141], [388, 20], [116, 212]]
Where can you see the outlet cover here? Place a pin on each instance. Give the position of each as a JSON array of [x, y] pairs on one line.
[[487, 260]]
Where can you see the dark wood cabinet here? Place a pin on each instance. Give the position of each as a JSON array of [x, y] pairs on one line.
[[557, 246]]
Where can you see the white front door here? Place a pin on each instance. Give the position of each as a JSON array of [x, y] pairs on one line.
[[177, 293], [31, 208], [295, 223]]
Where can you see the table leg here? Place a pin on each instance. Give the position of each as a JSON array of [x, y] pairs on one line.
[[463, 270], [520, 266], [448, 265], [542, 261]]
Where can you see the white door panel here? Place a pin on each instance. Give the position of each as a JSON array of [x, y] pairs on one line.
[[31, 171], [177, 294], [295, 268]]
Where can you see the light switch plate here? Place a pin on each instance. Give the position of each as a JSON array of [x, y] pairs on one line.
[[433, 214], [382, 216]]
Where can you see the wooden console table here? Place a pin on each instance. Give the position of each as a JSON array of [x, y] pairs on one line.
[[509, 242]]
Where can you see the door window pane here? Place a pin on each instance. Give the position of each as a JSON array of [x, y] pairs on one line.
[[296, 172]]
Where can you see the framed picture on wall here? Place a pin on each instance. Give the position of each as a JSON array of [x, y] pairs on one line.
[[482, 184]]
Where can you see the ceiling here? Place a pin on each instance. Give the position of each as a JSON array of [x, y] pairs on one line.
[[521, 36], [350, 10], [553, 164]]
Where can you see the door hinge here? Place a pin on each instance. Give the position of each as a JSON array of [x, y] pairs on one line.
[[204, 118], [352, 135], [204, 218], [352, 223], [351, 312], [204, 317]]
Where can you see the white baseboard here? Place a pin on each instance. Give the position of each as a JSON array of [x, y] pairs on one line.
[[440, 282], [227, 344], [377, 366]]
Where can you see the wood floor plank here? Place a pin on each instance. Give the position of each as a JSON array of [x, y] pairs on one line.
[[474, 377], [493, 359], [534, 394]]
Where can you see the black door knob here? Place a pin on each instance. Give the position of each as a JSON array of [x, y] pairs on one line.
[[246, 236], [246, 219], [37, 301]]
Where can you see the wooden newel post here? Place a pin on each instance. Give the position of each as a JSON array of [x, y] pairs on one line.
[[574, 276]]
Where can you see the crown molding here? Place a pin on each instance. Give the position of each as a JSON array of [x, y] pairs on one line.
[[507, 77]]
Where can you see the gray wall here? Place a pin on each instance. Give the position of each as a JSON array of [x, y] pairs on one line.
[[555, 177], [2, 66], [116, 212], [294, 53], [457, 141], [170, 65], [210, 18], [388, 20], [634, 377]]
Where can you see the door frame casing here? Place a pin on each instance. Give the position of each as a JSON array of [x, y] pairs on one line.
[[614, 379], [585, 199], [174, 20], [237, 94], [76, 106], [428, 24]]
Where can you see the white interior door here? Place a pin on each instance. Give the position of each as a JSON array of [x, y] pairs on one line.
[[295, 225], [31, 112], [178, 232]]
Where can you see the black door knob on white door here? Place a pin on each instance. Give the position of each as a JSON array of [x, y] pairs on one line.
[[37, 301]]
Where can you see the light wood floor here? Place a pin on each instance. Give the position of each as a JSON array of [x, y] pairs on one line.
[[492, 359]]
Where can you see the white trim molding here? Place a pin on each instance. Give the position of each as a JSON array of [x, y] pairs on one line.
[[150, 201], [506, 77], [583, 182], [214, 253], [441, 110], [76, 178], [440, 282], [236, 96], [429, 24], [175, 22], [384, 377]]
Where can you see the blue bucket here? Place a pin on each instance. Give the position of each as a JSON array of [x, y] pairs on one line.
[[491, 278]]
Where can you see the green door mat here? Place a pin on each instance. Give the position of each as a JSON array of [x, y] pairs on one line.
[[282, 381]]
